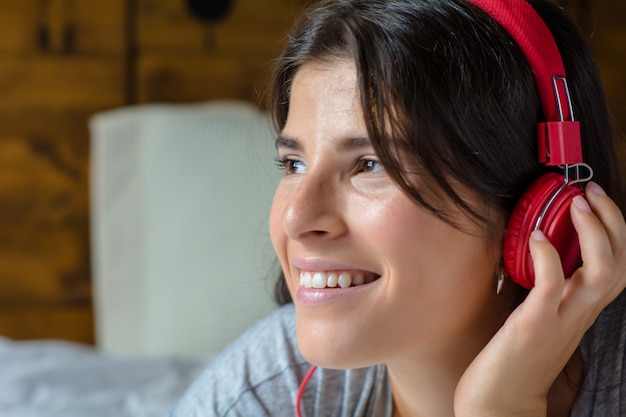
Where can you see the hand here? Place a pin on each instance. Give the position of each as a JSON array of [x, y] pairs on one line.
[[514, 372]]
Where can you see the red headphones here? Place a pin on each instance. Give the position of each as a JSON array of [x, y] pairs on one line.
[[545, 204]]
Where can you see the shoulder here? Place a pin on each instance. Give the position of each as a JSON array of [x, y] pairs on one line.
[[603, 391], [260, 374], [263, 363]]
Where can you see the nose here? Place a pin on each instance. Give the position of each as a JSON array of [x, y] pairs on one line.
[[314, 209]]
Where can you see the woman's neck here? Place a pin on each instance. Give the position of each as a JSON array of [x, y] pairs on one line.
[[424, 388], [424, 380]]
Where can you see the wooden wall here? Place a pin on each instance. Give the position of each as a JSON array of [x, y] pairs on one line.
[[602, 22], [607, 36], [63, 60], [60, 62]]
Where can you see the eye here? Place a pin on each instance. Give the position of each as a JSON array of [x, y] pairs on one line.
[[290, 166], [365, 165]]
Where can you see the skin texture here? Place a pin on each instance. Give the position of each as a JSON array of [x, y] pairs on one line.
[[433, 316]]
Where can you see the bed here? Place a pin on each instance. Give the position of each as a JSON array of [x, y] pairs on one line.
[[182, 262], [63, 379]]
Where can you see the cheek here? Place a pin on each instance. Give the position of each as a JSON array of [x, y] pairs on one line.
[[416, 244], [392, 227], [274, 223], [277, 234]]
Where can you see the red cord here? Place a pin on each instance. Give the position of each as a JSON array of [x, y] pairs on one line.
[[305, 381]]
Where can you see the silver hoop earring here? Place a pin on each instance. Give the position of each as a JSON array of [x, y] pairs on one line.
[[500, 282]]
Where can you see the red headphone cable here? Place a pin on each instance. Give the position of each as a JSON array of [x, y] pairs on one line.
[[305, 381]]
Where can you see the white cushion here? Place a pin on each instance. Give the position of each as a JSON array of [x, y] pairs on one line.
[[182, 260]]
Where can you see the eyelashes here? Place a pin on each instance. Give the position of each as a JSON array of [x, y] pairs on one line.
[[290, 166], [280, 162], [368, 165]]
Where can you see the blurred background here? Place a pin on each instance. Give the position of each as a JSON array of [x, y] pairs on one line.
[[62, 61]]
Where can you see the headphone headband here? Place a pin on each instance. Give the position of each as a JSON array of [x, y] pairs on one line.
[[559, 137]]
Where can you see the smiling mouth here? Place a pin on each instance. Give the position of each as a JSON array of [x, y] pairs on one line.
[[342, 279]]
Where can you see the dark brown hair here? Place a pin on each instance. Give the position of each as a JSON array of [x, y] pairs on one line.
[[445, 85]]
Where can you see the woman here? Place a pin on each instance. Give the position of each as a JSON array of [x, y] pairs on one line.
[[407, 133]]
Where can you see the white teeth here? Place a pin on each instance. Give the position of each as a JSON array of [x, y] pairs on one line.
[[319, 280], [307, 280], [333, 279], [345, 280]]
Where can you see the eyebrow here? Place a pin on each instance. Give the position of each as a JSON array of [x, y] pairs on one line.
[[346, 144], [289, 143]]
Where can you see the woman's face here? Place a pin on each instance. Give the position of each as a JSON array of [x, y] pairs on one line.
[[414, 285]]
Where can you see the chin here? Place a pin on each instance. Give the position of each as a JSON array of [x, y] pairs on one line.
[[333, 352]]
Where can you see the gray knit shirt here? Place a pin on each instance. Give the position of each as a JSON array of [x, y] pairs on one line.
[[260, 373]]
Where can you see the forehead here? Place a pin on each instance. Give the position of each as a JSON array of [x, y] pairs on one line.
[[325, 95], [326, 78]]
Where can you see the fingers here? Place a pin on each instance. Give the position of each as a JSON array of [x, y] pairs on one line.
[[609, 215], [595, 244], [602, 236], [549, 279]]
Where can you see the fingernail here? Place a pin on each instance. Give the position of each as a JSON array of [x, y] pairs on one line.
[[581, 203], [538, 235], [595, 188]]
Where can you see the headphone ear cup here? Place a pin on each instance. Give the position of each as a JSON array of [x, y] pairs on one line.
[[547, 191]]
